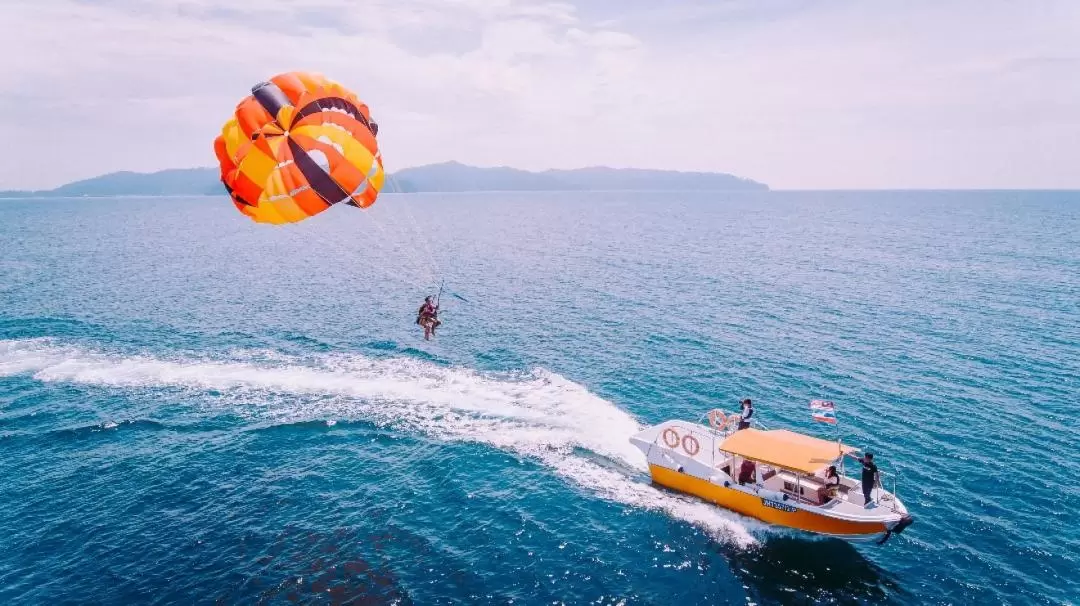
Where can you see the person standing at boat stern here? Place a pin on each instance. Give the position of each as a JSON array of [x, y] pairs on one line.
[[747, 412]]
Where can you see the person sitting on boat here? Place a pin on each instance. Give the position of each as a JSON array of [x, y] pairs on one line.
[[832, 482], [747, 413], [747, 472], [869, 476]]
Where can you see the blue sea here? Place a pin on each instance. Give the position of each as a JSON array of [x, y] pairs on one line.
[[197, 409]]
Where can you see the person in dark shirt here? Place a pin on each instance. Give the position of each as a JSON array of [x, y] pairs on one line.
[[747, 472], [747, 413], [869, 477]]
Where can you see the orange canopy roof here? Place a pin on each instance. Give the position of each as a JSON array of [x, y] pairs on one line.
[[784, 449]]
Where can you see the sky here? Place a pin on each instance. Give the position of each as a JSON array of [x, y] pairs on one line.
[[798, 94]]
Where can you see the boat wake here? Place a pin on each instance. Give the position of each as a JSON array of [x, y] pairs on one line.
[[538, 415]]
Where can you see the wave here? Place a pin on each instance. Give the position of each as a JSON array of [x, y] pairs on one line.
[[109, 425], [539, 414]]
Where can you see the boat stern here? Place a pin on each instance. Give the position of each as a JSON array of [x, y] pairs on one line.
[[645, 438], [679, 446]]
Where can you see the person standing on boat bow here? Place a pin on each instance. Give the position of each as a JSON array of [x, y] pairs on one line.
[[747, 413], [869, 476]]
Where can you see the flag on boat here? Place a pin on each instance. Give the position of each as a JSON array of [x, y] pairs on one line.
[[823, 411]]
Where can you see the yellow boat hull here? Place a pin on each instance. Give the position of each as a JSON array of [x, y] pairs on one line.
[[771, 512]]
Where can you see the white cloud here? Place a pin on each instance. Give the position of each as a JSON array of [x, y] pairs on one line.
[[921, 94]]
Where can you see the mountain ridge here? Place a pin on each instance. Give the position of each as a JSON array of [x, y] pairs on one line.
[[447, 177]]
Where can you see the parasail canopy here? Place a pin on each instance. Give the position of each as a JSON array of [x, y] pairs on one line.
[[297, 145]]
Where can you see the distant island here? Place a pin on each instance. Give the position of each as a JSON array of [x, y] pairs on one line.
[[457, 177], [444, 177]]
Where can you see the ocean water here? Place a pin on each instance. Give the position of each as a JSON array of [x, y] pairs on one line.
[[196, 409]]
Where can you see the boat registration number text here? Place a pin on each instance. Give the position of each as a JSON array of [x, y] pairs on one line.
[[780, 506]]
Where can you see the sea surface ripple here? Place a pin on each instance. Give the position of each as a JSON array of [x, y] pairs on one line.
[[198, 409]]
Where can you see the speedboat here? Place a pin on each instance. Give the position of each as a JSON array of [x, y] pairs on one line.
[[774, 475]]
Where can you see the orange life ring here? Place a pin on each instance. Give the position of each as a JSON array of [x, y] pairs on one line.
[[674, 435], [717, 419], [692, 440]]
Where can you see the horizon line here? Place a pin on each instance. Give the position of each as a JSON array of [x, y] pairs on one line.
[[580, 191], [42, 193]]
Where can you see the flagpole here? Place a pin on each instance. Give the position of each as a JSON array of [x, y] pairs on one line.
[[839, 446]]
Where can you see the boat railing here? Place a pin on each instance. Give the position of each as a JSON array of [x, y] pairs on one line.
[[889, 495], [885, 496], [732, 425], [706, 438], [713, 438]]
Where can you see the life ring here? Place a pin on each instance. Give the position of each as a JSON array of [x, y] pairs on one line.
[[686, 441], [717, 419], [671, 437]]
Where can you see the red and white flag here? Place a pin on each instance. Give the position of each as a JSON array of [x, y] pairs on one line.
[[824, 411]]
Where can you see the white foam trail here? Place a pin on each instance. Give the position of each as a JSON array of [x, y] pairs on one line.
[[539, 414]]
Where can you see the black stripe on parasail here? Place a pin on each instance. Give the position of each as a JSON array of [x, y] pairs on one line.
[[340, 103], [270, 97], [319, 179]]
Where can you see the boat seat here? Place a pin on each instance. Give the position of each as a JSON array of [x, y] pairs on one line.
[[724, 465]]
